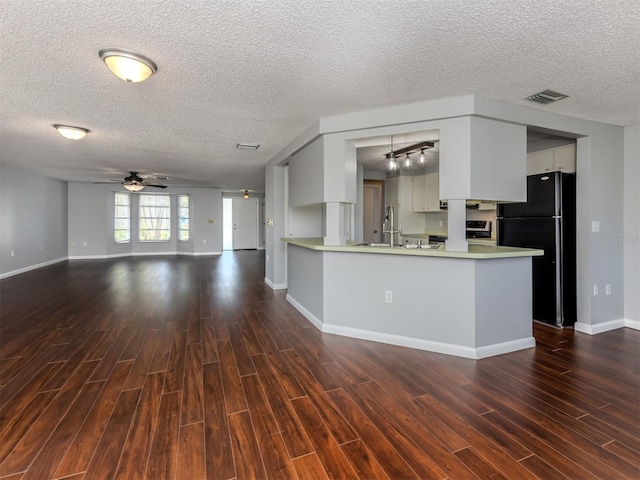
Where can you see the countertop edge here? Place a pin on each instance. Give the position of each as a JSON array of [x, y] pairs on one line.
[[477, 252]]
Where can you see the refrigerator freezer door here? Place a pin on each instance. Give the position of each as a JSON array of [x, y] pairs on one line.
[[543, 199], [537, 233]]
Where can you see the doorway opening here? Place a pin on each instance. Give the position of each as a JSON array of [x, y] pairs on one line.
[[227, 224], [239, 223], [373, 206]]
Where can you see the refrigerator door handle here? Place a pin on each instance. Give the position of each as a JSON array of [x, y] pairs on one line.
[[558, 265]]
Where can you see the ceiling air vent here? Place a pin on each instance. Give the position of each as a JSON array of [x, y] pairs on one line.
[[547, 96], [247, 146]]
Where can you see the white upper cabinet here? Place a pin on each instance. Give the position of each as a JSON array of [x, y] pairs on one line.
[[564, 158], [426, 193], [560, 158]]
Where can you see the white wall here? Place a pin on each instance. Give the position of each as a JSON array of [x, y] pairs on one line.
[[33, 213], [631, 239], [306, 221], [306, 175], [90, 220], [276, 189]]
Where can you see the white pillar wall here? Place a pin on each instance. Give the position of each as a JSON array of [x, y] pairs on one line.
[[457, 226], [334, 224]]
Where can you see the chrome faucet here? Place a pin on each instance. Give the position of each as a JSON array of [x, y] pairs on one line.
[[391, 231]]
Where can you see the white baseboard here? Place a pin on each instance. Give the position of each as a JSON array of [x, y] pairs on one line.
[[599, 327], [505, 347], [417, 343], [33, 267], [99, 257], [307, 314], [635, 324], [141, 254], [431, 346], [275, 286]]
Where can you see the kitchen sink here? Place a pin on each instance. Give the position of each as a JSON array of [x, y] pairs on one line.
[[408, 246]]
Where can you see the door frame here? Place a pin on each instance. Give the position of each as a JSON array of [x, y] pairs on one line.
[[379, 186]]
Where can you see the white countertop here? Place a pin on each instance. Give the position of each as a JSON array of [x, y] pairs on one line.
[[476, 251]]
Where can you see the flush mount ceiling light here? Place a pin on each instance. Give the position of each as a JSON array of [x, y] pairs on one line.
[[247, 146], [72, 133], [127, 65], [246, 195]]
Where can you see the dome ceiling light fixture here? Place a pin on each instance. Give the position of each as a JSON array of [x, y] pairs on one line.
[[127, 65], [72, 133]]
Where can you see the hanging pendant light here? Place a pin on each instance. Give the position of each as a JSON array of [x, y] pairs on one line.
[[422, 159], [407, 163], [246, 195], [392, 163]]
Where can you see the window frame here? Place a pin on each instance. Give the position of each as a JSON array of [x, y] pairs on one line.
[[116, 197], [181, 209], [142, 218]]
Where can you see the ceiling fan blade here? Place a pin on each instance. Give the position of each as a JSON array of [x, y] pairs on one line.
[[155, 185]]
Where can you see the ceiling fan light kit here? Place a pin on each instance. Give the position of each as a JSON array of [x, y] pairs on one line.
[[71, 133], [133, 187], [127, 65], [135, 183]]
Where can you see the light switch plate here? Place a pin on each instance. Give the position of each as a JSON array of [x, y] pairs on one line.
[[595, 226]]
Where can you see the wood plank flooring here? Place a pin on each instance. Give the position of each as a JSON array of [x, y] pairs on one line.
[[192, 368]]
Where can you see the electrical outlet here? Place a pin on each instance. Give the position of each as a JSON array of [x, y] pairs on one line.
[[388, 296], [607, 289], [42, 248], [84, 244], [12, 253], [267, 257], [204, 240], [595, 290], [440, 223], [73, 244]]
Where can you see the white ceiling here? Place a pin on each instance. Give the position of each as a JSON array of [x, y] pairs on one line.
[[263, 71]]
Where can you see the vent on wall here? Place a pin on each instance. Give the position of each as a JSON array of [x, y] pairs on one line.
[[545, 97]]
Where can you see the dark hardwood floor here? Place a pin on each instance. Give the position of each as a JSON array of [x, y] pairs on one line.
[[192, 368]]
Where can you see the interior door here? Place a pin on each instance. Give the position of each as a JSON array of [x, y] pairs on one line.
[[372, 212], [245, 223]]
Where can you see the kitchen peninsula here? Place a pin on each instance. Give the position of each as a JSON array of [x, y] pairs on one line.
[[461, 299], [471, 304]]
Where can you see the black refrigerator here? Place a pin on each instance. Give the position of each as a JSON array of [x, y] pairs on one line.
[[546, 221]]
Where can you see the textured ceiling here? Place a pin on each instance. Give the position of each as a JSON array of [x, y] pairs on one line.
[[263, 71]]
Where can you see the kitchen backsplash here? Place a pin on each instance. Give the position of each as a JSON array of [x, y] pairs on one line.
[[432, 220]]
